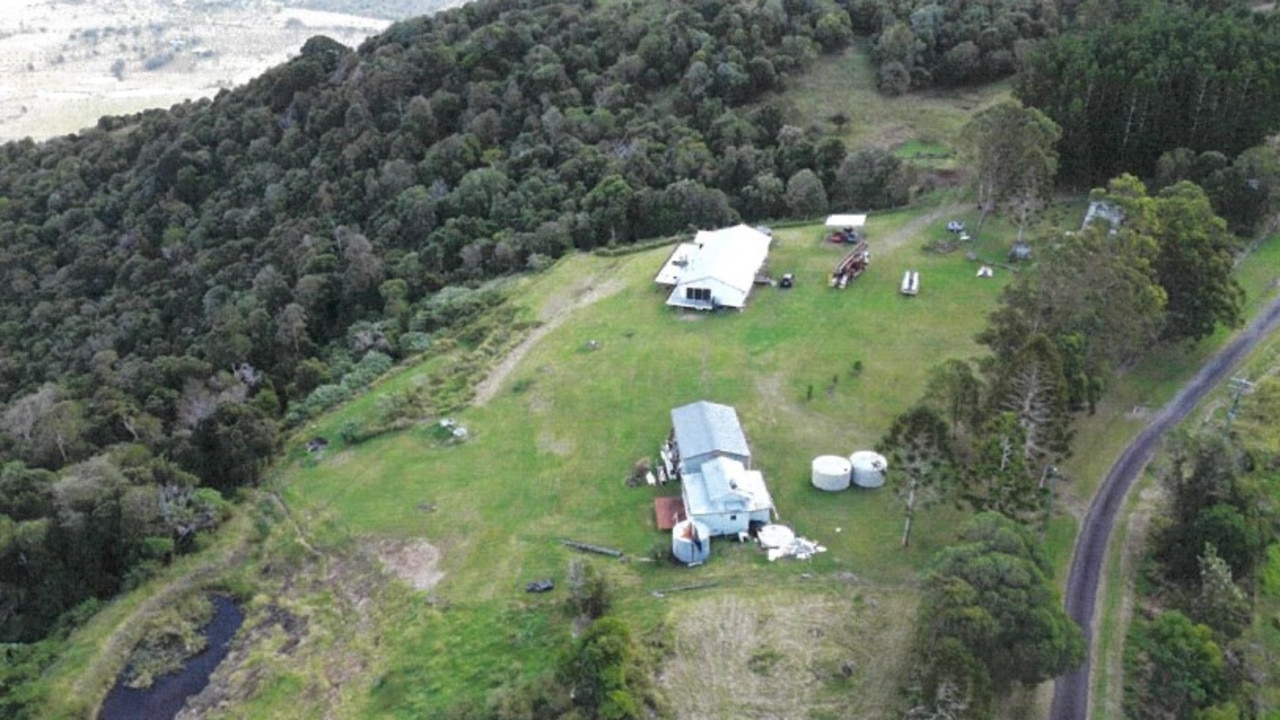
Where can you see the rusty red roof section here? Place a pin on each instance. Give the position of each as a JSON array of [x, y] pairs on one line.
[[668, 511]]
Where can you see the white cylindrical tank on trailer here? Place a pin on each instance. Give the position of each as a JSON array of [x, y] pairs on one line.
[[868, 468], [831, 472], [691, 542]]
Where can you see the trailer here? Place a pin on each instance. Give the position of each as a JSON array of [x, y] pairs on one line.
[[853, 264], [910, 282]]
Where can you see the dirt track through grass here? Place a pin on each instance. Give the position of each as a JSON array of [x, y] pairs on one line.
[[552, 316]]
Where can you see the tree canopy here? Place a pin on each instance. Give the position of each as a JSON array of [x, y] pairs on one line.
[[1168, 75], [991, 616]]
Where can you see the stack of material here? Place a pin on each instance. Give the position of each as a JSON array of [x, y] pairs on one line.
[[780, 542], [799, 548]]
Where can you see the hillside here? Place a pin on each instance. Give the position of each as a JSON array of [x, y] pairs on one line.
[[181, 284], [458, 220]]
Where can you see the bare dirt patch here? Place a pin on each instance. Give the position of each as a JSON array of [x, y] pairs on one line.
[[417, 562]]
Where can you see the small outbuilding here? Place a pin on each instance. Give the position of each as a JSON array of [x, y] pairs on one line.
[[1110, 213], [855, 222]]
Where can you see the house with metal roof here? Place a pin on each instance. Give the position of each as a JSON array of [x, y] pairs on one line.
[[718, 486], [716, 270], [726, 497]]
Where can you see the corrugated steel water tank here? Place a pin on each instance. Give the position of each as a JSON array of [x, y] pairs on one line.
[[691, 542], [831, 472]]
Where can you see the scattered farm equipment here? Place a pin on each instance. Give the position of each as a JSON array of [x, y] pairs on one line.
[[851, 265]]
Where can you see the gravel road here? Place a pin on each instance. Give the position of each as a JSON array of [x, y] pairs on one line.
[[1071, 692]]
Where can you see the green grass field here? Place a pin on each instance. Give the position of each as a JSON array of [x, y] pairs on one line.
[[547, 456]]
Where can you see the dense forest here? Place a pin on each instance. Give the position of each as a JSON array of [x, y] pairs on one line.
[[182, 286]]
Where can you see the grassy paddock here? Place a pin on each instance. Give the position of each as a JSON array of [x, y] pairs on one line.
[[548, 454], [845, 83]]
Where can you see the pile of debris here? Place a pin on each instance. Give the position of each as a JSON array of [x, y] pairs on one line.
[[779, 541]]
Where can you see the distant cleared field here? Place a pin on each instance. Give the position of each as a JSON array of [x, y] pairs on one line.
[[65, 63]]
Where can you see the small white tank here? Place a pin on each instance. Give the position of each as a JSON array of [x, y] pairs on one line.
[[691, 542], [868, 468], [831, 472]]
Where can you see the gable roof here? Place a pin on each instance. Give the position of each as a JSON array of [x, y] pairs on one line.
[[706, 427], [730, 257], [725, 486]]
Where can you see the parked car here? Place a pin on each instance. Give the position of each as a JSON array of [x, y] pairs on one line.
[[955, 226]]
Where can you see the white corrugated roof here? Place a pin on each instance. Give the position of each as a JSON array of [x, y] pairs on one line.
[[724, 485], [674, 267], [730, 257], [844, 221]]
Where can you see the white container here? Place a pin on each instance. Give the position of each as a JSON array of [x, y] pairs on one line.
[[868, 468], [831, 472]]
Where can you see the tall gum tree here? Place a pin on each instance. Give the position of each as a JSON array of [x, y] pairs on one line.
[[1012, 147]]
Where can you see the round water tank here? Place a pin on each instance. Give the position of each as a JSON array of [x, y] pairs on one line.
[[831, 472], [691, 542], [868, 468]]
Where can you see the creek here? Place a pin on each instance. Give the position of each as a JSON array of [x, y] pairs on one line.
[[169, 692]]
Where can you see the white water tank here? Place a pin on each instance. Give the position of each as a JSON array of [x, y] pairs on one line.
[[691, 542], [831, 472], [868, 468]]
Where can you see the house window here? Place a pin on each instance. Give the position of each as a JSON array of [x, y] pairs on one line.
[[733, 517], [693, 293]]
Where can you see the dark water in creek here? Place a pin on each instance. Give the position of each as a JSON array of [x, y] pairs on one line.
[[168, 693]]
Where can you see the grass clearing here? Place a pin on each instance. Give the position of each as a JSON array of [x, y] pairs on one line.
[[790, 653], [844, 83], [547, 454], [546, 459]]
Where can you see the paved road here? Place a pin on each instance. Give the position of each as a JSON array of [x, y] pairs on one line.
[[1071, 692]]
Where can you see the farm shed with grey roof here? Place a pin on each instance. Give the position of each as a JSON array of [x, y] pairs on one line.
[[703, 431]]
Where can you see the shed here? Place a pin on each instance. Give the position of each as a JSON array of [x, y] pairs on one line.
[[846, 221], [1111, 213], [721, 270], [703, 431]]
